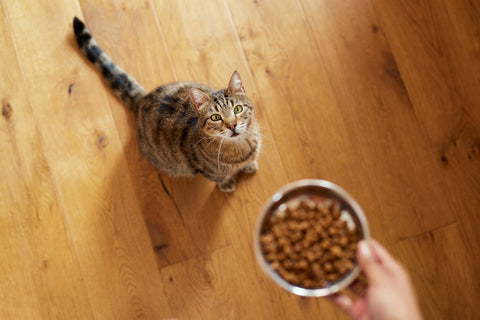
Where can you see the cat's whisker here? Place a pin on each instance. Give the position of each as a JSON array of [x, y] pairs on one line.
[[265, 128], [262, 135], [213, 140], [219, 150], [202, 140], [268, 138]]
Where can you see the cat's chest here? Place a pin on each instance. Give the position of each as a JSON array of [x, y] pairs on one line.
[[231, 153], [238, 153]]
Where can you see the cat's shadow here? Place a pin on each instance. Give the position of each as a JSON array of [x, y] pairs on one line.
[[183, 216]]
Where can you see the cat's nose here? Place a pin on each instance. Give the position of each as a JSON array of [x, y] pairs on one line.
[[232, 126]]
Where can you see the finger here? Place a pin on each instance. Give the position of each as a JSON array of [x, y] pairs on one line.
[[383, 256], [369, 263], [365, 255], [342, 301], [357, 309]]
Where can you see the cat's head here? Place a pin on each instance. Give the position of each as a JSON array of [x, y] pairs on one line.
[[228, 113]]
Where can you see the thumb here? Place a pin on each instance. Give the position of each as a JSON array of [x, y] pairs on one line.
[[369, 262]]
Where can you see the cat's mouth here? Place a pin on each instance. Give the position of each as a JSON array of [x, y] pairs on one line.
[[234, 134]]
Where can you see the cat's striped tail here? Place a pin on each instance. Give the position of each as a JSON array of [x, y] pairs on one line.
[[122, 84]]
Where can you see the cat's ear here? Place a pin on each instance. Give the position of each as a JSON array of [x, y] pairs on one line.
[[198, 97], [235, 85]]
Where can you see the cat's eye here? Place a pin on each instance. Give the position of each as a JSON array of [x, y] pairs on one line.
[[215, 117], [238, 109]]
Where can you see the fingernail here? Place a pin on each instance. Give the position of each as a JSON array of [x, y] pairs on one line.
[[365, 251], [344, 302]]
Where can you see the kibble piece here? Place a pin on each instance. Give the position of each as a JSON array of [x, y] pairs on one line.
[[311, 235], [310, 256], [292, 225], [332, 277], [343, 241], [288, 264], [325, 244], [304, 225], [298, 247], [271, 256], [302, 264], [281, 256], [270, 247], [306, 243], [291, 277], [276, 265], [283, 241], [348, 264], [336, 251], [278, 230], [287, 249], [267, 238], [307, 283], [295, 236], [328, 267], [332, 231], [295, 214]]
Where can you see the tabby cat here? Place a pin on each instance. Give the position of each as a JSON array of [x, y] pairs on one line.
[[186, 128]]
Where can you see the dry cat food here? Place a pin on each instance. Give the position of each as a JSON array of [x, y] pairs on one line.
[[309, 242]]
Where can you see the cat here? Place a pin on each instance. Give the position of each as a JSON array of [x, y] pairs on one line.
[[186, 128]]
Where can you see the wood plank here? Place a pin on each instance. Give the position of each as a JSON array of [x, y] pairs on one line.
[[448, 65], [113, 25], [463, 150], [40, 276], [442, 78], [211, 292], [440, 67], [275, 64], [92, 179], [128, 33], [378, 112], [443, 277]]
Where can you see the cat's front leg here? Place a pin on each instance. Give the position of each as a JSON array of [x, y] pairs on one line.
[[228, 184], [252, 167]]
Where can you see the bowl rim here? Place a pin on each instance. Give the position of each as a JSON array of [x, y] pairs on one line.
[[272, 201]]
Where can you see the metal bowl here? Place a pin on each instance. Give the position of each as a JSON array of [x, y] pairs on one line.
[[326, 190]]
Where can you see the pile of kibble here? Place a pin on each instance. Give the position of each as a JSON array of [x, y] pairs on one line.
[[309, 243]]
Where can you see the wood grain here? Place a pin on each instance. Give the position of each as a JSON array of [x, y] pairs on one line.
[[377, 96], [40, 271], [441, 275], [104, 225], [381, 114]]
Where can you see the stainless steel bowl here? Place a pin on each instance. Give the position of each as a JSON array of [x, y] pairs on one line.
[[311, 187]]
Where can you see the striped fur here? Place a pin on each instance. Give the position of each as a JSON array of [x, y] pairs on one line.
[[122, 84], [186, 128]]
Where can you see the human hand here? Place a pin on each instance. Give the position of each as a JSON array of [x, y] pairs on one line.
[[390, 293]]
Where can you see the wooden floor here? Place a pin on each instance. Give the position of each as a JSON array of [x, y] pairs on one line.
[[381, 97]]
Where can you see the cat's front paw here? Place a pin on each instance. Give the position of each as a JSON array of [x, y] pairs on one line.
[[227, 185], [252, 167]]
